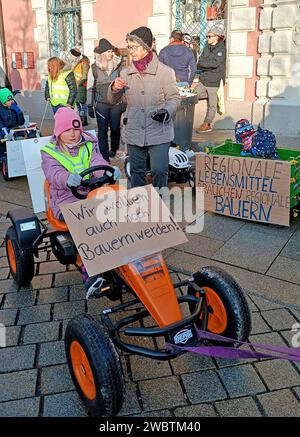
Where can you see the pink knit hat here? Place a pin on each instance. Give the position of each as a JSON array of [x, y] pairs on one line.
[[65, 119]]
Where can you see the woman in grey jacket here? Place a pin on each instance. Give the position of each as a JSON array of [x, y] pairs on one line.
[[106, 68], [152, 98]]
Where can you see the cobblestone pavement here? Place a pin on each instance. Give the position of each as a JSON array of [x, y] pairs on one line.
[[265, 260]]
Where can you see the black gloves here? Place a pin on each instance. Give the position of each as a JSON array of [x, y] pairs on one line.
[[91, 111], [161, 115]]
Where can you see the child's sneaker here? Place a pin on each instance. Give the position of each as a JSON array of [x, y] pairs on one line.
[[93, 285]]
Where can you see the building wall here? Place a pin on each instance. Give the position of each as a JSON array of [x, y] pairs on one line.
[[160, 22], [278, 88], [19, 23], [116, 18], [263, 43], [99, 19], [32, 100]]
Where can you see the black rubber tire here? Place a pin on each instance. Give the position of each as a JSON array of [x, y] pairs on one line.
[[24, 259], [104, 362], [192, 182], [4, 169], [127, 168], [233, 299]]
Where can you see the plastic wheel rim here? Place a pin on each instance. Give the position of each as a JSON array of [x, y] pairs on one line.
[[82, 370], [217, 320], [11, 256]]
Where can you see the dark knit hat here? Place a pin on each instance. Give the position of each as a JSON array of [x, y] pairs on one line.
[[143, 36], [76, 51], [103, 46]]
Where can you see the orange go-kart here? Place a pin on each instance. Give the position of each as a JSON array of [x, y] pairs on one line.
[[214, 301]]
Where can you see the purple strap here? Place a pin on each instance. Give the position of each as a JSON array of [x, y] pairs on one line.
[[282, 352]]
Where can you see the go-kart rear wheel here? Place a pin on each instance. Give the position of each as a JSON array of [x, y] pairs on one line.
[[228, 310], [21, 262], [94, 366], [5, 169]]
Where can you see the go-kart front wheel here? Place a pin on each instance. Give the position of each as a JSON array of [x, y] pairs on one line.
[[21, 262], [94, 366], [228, 310]]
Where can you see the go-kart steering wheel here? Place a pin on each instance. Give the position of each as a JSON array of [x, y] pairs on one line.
[[94, 183]]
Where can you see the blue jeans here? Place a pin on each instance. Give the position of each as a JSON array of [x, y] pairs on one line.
[[56, 108], [159, 164], [108, 116]]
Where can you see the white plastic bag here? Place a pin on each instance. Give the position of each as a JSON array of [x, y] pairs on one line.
[[221, 99]]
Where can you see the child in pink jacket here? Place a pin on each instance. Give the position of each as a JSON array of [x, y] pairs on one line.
[[58, 158]]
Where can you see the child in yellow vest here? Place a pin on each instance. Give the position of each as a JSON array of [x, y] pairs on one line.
[[69, 152], [81, 66], [61, 88]]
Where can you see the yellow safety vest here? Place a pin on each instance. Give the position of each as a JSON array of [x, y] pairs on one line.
[[74, 164], [78, 73], [58, 89], [78, 70]]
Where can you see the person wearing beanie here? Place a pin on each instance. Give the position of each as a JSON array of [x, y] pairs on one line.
[[149, 89], [76, 52], [212, 64], [103, 46], [70, 151], [188, 42], [179, 57], [11, 115], [106, 68], [61, 88], [81, 66]]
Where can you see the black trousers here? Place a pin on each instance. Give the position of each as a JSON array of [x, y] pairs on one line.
[[108, 116]]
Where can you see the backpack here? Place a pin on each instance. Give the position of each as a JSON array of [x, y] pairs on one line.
[[264, 144], [244, 132]]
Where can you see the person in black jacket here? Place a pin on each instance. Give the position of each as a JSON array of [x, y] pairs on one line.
[[212, 64]]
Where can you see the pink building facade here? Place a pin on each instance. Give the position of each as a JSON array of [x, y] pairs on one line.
[[263, 47]]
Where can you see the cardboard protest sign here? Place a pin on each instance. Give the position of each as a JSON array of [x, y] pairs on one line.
[[118, 228], [35, 175], [15, 160], [31, 151], [245, 188]]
